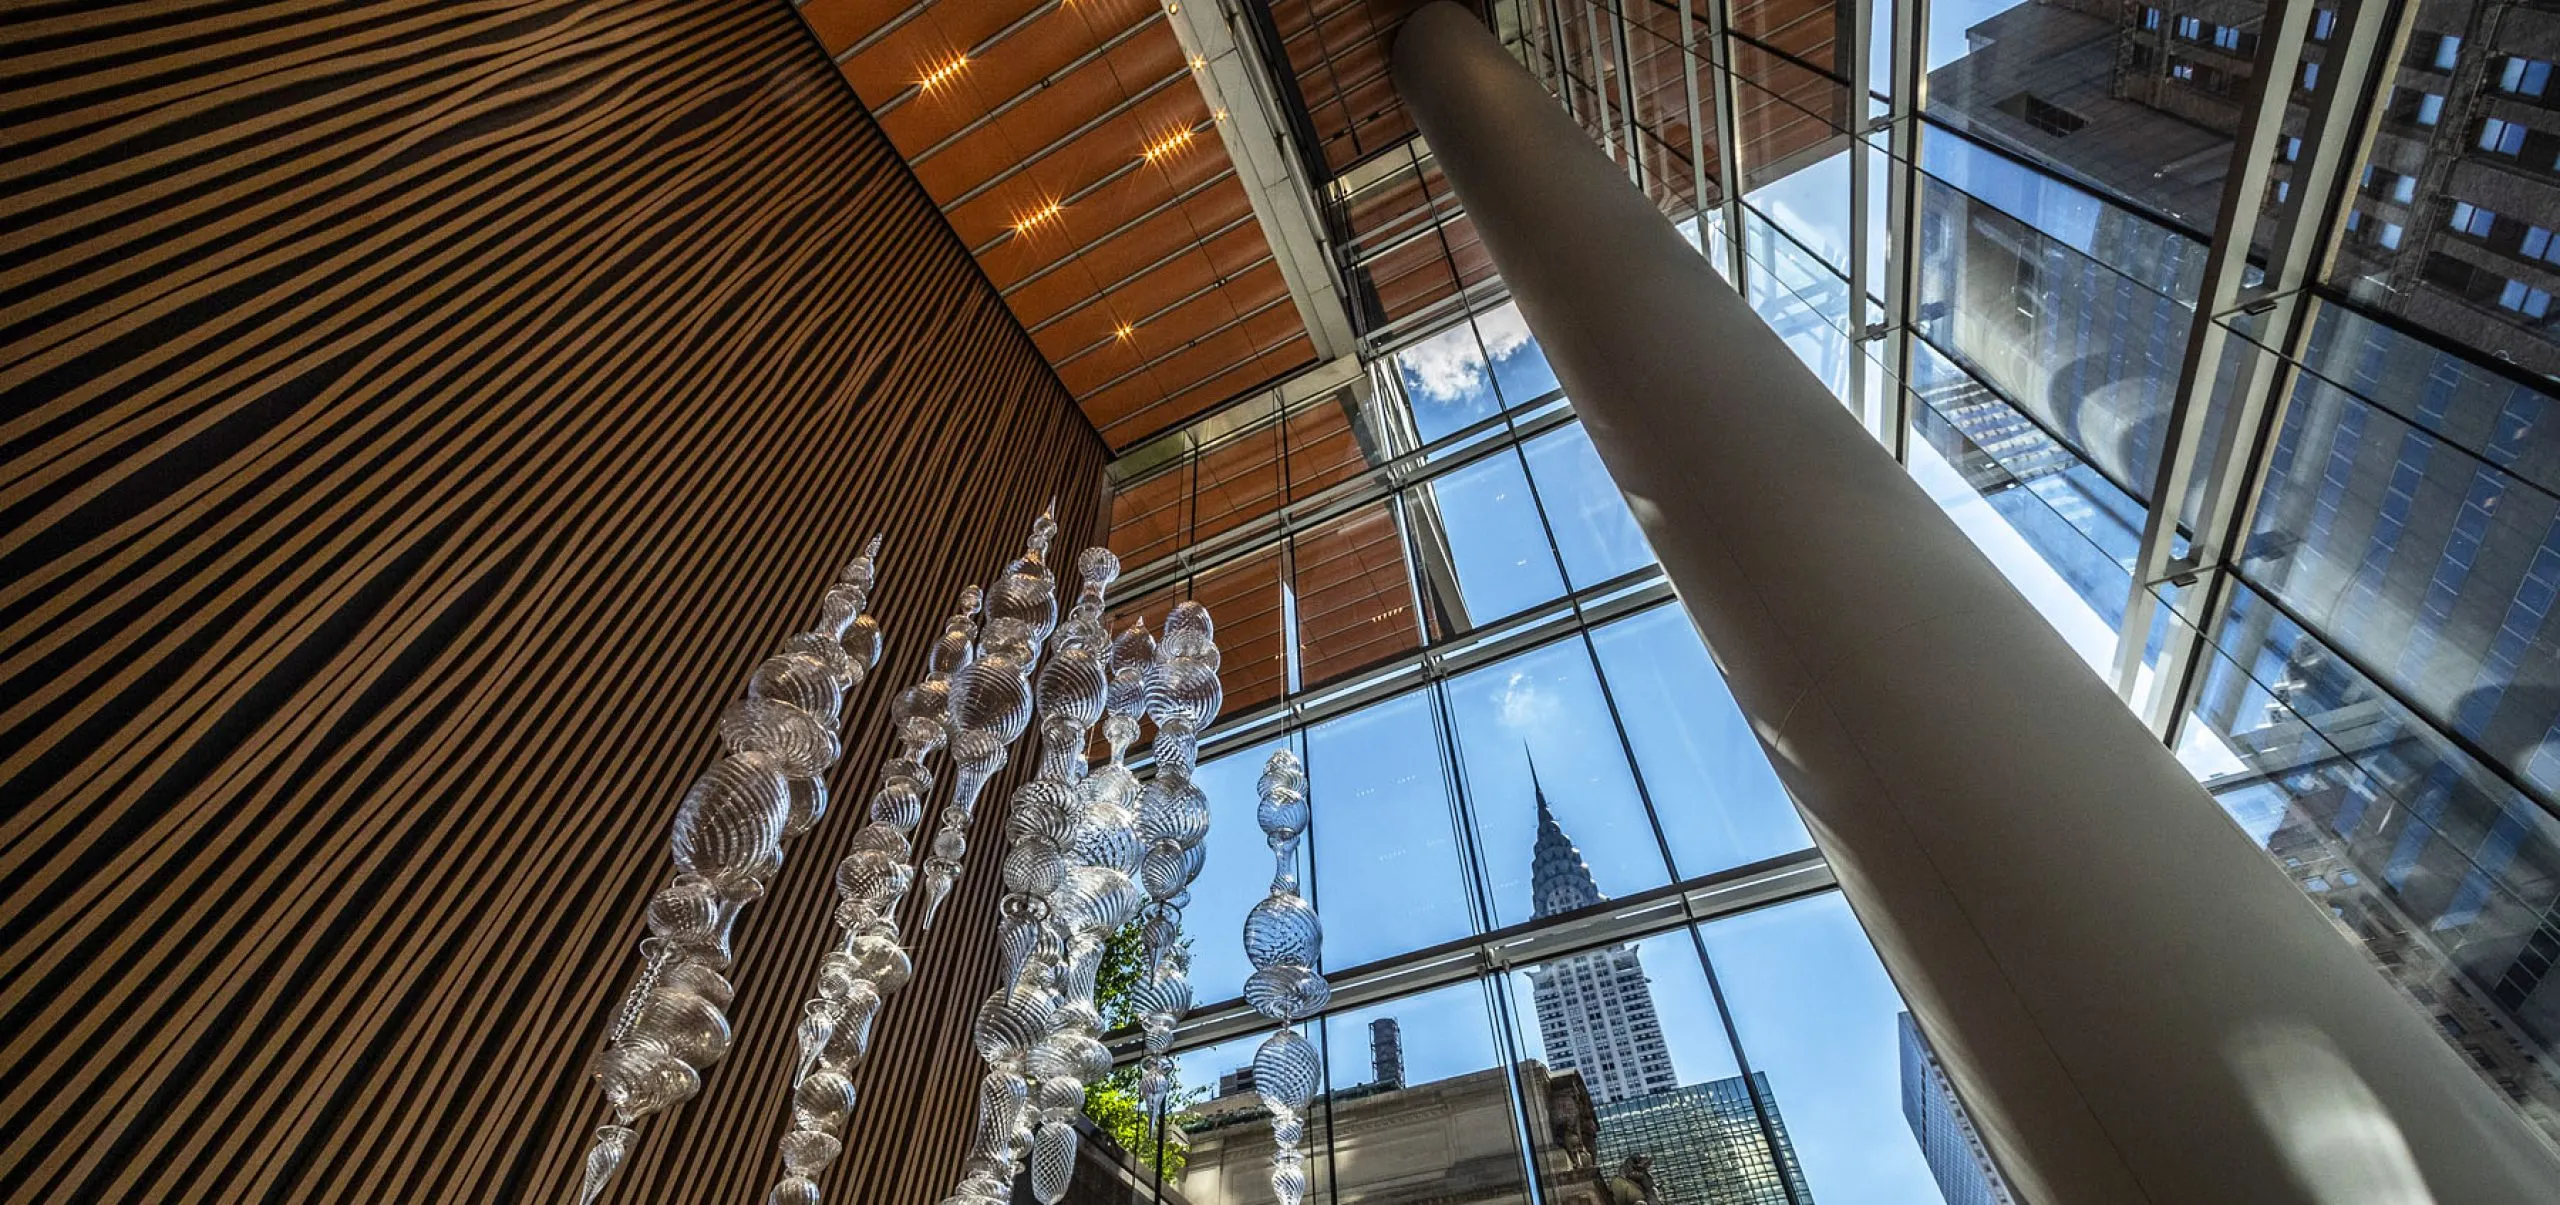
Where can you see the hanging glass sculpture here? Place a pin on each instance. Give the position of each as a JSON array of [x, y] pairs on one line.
[[869, 963], [1173, 819], [1284, 941], [728, 840], [991, 704], [965, 701], [1083, 843]]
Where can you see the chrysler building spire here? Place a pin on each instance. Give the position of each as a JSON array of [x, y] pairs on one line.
[[1559, 880]]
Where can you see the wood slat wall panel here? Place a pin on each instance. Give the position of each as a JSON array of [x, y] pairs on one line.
[[420, 416]]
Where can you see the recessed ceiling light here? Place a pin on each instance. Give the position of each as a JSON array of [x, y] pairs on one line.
[[1167, 145], [943, 74], [1037, 216]]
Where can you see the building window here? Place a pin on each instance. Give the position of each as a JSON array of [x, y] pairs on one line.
[[2324, 21], [2310, 76], [2525, 77], [2538, 244], [2151, 18], [2404, 189], [2184, 71], [2525, 300], [2501, 137], [2389, 235], [2448, 48], [2191, 28], [2430, 108], [2227, 37], [2472, 220], [2293, 151]]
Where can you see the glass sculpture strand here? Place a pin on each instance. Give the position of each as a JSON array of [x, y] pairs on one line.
[[1173, 820], [991, 704], [730, 829], [1047, 880], [870, 962], [1284, 941]]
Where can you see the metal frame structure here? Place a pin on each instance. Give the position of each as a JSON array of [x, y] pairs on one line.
[[2263, 288], [2273, 296]]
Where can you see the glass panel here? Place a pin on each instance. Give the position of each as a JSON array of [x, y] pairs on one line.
[[1809, 33], [1627, 1074], [2078, 340], [1719, 802], [1327, 445], [2031, 507], [1235, 878], [2144, 111], [1239, 481], [1354, 594], [2447, 875], [1446, 381], [1595, 534], [1387, 869], [1420, 1102], [1479, 548], [2430, 567], [1801, 298], [1820, 1025], [1812, 203], [1520, 369], [1244, 598], [1226, 1133], [1559, 822], [1151, 517]]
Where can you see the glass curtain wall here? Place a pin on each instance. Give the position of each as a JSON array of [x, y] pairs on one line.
[[1990, 228], [1579, 940]]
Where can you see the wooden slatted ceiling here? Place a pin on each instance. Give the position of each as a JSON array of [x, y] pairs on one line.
[[420, 417], [1143, 278]]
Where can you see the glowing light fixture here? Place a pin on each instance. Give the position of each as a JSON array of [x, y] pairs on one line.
[[943, 74], [1123, 331], [1037, 216], [1158, 150]]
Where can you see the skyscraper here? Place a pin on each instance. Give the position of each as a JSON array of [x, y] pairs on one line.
[[1595, 1014], [1963, 1167], [1700, 1144]]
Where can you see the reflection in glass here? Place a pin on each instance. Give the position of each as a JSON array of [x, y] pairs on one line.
[[1246, 598], [1801, 298], [1819, 1020], [1719, 802], [1628, 1083], [1595, 534], [2144, 111], [1387, 865], [1559, 822], [1354, 594], [2447, 873]]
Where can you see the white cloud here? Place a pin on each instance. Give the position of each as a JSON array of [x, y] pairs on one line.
[[1445, 367], [1522, 707]]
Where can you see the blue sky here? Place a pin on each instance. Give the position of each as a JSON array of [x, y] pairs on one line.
[[1390, 872]]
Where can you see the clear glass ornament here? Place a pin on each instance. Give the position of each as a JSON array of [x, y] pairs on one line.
[[1282, 929], [731, 819], [612, 1146], [1286, 1071]]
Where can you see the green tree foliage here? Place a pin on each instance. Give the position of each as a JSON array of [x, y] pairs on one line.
[[1114, 1103]]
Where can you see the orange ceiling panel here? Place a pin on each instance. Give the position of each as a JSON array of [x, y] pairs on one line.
[[1072, 152]]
